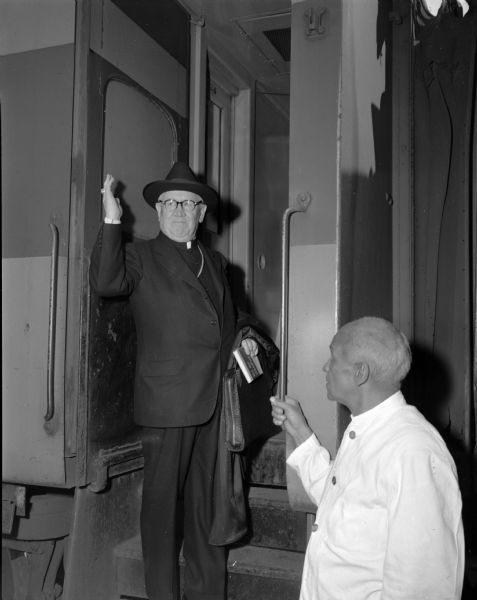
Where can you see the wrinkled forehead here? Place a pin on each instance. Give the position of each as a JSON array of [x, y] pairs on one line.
[[179, 195]]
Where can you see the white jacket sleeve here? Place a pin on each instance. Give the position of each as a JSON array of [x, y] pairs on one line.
[[312, 463]]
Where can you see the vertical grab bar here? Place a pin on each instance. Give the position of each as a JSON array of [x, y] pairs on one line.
[[303, 201], [50, 390]]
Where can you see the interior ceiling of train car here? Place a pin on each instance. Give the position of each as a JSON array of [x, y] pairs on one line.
[[251, 37]]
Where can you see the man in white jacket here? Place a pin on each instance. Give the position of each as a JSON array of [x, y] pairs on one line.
[[388, 524]]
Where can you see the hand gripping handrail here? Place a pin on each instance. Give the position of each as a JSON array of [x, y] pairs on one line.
[[302, 201], [50, 390]]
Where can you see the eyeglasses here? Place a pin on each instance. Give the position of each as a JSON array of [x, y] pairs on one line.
[[187, 205]]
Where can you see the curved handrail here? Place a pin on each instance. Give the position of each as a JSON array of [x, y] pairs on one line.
[[303, 201], [50, 391]]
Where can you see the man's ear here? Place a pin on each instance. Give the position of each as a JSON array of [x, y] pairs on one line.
[[361, 373], [203, 210]]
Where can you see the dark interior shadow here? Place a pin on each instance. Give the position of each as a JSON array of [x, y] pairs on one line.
[[217, 221], [428, 383], [241, 297]]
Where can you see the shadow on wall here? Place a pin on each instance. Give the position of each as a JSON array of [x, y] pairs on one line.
[[429, 387], [366, 278]]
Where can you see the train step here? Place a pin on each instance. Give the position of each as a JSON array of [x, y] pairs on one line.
[[254, 572], [273, 524], [267, 462]]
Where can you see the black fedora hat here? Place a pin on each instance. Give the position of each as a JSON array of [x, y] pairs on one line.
[[180, 177]]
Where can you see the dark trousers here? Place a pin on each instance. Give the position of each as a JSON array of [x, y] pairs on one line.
[[177, 501]]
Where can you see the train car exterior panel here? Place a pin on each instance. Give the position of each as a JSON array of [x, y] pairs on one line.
[[37, 93]]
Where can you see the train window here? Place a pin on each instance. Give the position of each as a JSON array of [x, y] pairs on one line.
[[140, 142]]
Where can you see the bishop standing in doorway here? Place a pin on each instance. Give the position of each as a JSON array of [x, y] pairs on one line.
[[185, 325]]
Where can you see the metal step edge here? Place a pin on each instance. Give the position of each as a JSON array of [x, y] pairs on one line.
[[266, 562], [265, 496], [251, 560]]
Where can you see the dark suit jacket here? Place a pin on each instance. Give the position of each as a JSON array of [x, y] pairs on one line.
[[183, 343]]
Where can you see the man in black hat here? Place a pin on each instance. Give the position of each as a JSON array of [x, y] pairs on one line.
[[185, 325]]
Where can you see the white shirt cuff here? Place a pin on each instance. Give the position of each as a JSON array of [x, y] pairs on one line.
[[112, 221]]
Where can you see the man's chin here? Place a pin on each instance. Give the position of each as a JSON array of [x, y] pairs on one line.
[[179, 235]]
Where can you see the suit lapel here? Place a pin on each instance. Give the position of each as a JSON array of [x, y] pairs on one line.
[[211, 261], [171, 260]]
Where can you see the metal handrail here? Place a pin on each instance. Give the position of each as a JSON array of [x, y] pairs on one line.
[[303, 201], [50, 391]]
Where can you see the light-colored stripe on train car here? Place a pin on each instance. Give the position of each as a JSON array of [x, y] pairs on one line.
[[33, 449]]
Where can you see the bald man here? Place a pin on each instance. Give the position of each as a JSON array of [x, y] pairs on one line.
[[388, 524]]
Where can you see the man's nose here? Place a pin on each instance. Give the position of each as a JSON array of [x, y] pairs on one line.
[[180, 208], [326, 365]]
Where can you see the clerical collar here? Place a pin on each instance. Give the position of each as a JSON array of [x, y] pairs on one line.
[[190, 245]]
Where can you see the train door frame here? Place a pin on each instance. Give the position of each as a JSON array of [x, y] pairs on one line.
[[218, 161], [109, 499], [237, 174], [403, 259]]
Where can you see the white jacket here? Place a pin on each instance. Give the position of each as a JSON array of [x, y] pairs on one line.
[[388, 524]]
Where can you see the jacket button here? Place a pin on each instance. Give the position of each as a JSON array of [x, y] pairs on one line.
[[333, 480], [352, 434], [213, 322], [314, 527]]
